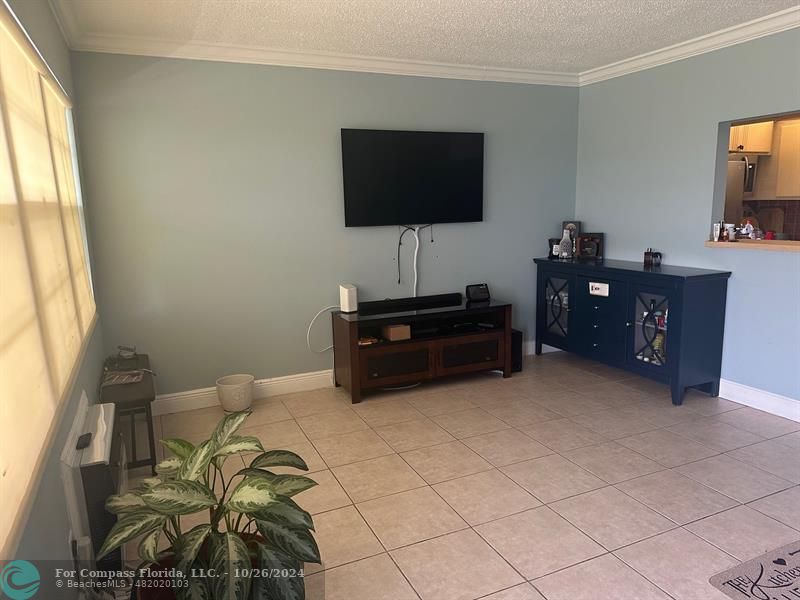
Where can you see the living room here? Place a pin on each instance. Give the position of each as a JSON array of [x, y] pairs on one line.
[[210, 198]]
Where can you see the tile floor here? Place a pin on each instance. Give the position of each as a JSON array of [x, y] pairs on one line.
[[569, 481]]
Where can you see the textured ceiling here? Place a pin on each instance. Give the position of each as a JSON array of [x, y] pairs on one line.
[[569, 36]]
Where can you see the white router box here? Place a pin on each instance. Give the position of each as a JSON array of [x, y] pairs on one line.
[[348, 297]]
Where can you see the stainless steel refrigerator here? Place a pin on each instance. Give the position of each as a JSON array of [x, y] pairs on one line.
[[734, 191]]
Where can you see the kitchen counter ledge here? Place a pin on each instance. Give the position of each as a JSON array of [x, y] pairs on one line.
[[769, 245]]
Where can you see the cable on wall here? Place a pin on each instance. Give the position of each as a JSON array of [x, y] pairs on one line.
[[310, 325], [415, 230]]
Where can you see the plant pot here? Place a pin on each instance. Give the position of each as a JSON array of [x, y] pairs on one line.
[[235, 392]]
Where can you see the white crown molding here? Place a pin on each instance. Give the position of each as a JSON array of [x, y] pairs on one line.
[[775, 404], [264, 388], [92, 42], [751, 30]]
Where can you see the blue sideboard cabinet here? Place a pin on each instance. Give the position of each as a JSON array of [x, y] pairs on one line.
[[665, 323]]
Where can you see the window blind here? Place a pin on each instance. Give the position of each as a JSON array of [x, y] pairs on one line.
[[47, 309]]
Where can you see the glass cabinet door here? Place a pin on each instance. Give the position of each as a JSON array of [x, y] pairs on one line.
[[651, 325], [557, 306]]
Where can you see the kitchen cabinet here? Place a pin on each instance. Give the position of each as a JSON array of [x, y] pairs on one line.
[[665, 323], [752, 138], [788, 169]]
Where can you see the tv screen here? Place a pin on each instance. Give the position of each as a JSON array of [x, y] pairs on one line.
[[411, 177]]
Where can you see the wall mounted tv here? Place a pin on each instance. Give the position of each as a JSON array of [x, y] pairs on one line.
[[411, 177]]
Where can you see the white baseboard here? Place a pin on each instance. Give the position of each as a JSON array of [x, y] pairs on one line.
[[264, 388], [529, 348], [782, 406]]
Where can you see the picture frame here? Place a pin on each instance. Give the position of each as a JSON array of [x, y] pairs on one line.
[[574, 228], [590, 246]]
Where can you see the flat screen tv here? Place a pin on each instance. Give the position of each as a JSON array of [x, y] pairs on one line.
[[411, 177]]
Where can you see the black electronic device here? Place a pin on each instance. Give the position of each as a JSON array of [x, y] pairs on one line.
[[396, 305], [478, 292], [411, 177]]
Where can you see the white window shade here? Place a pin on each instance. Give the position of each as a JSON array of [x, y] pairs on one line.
[[46, 304]]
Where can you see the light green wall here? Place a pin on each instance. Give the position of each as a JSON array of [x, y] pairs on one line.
[[217, 211], [46, 533], [646, 162]]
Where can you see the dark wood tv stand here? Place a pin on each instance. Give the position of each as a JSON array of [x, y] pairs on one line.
[[444, 341]]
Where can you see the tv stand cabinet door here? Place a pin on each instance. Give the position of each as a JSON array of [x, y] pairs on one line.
[[464, 354], [393, 364]]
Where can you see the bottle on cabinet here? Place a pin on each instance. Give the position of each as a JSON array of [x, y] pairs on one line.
[[566, 245]]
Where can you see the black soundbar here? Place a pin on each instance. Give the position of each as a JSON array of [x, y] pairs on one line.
[[394, 305]]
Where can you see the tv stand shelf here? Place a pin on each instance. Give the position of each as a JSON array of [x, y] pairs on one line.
[[445, 340]]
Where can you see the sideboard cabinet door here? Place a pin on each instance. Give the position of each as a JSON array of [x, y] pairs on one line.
[[649, 342], [556, 302]]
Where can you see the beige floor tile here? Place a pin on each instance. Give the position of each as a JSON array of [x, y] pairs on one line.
[[611, 518], [562, 435], [783, 506], [200, 421], [487, 395], [457, 566], [470, 422], [552, 478], [570, 404], [612, 393], [680, 563], [771, 456], [734, 478], [414, 434], [791, 440], [522, 412], [743, 532], [602, 578], [348, 582], [268, 411], [445, 461], [759, 422], [538, 542], [706, 406], [432, 405], [409, 517], [326, 495], [485, 496], [648, 386], [331, 423], [506, 447], [676, 496], [715, 434], [613, 463], [667, 448], [377, 477], [659, 411], [524, 591], [304, 404], [352, 447], [343, 537], [275, 435], [378, 412], [614, 424]]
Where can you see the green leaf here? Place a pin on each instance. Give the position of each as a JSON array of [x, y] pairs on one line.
[[295, 543], [272, 588], [148, 547], [179, 497], [251, 495], [196, 465], [124, 503], [128, 527], [180, 448], [279, 458], [197, 590], [286, 512], [227, 427], [240, 443], [230, 554], [190, 545], [169, 467], [284, 485]]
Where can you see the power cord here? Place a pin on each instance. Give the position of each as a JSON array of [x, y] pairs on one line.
[[310, 325], [415, 231]]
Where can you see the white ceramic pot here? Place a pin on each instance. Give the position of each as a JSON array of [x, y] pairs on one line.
[[235, 392]]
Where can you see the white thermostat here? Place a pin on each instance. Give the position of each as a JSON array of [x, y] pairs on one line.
[[598, 289]]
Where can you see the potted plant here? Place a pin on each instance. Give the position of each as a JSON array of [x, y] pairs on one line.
[[256, 539]]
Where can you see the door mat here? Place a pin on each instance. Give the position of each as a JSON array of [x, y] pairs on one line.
[[772, 576]]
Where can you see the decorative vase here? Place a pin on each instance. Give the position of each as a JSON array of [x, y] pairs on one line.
[[566, 245]]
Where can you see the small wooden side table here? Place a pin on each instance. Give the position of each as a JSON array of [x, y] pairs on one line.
[[132, 399]]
